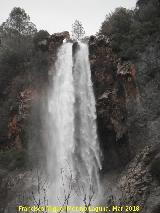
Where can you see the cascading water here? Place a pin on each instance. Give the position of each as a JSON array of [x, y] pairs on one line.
[[87, 149], [73, 152]]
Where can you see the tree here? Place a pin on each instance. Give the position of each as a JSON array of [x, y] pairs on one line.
[[40, 39], [118, 22], [77, 30], [18, 22], [16, 38], [130, 31], [41, 35], [116, 28]]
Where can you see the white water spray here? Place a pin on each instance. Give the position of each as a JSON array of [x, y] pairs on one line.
[[73, 151]]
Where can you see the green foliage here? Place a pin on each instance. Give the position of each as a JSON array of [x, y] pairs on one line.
[[130, 31], [19, 23], [21, 56], [117, 27], [40, 36], [118, 22], [16, 39], [144, 3], [13, 57]]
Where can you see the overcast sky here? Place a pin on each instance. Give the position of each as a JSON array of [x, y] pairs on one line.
[[59, 15]]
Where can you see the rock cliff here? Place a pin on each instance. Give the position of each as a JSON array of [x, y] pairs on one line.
[[128, 118], [128, 122], [114, 86]]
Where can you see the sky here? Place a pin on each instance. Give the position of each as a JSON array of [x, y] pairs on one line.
[[59, 15]]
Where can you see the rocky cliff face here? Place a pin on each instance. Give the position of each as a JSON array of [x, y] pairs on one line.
[[128, 118], [127, 97], [114, 86], [140, 183], [23, 93]]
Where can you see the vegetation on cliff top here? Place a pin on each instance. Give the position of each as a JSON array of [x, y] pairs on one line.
[[18, 40], [130, 31]]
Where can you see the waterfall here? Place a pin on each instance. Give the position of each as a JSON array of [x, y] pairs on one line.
[[73, 153]]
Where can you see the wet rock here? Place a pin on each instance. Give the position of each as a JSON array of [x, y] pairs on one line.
[[75, 48], [54, 42], [112, 90]]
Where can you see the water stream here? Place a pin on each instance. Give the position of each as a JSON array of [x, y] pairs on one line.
[[73, 154]]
